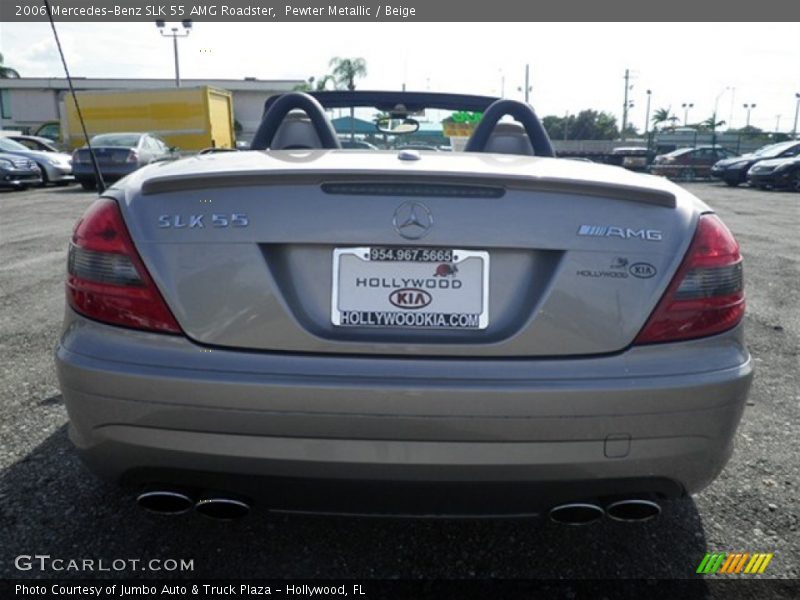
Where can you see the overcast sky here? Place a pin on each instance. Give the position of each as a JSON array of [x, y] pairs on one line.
[[573, 65]]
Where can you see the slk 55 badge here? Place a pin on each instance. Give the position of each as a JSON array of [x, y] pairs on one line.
[[199, 221]]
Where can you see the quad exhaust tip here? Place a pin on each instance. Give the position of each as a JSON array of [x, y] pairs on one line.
[[576, 513], [222, 508], [165, 502], [633, 511]]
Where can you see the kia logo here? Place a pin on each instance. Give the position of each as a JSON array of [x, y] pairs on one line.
[[642, 270], [410, 298]]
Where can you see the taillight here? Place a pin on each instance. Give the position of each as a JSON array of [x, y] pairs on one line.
[[706, 296], [107, 280], [133, 156], [76, 157]]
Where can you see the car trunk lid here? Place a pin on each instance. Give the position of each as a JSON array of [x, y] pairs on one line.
[[555, 259]]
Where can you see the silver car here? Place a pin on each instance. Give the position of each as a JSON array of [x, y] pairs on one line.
[[56, 167], [118, 154], [494, 331], [18, 172]]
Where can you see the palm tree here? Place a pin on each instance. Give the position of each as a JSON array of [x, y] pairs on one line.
[[320, 85], [711, 123], [662, 115], [345, 71], [7, 72]]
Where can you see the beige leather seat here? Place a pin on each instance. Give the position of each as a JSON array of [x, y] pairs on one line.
[[296, 132], [509, 138]]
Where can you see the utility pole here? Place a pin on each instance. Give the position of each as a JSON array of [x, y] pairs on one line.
[[796, 113], [647, 114], [527, 89], [625, 105], [748, 108], [174, 34], [527, 83], [686, 106]]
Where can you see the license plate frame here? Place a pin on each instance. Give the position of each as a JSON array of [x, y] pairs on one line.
[[476, 263]]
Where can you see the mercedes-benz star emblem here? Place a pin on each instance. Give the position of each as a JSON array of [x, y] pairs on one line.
[[412, 220]]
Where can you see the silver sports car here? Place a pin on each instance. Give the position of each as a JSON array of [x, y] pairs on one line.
[[488, 331]]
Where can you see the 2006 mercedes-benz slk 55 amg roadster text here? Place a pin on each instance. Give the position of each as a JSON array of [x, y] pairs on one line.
[[476, 329]]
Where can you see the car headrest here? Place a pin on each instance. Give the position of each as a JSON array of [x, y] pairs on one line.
[[296, 132], [509, 138]]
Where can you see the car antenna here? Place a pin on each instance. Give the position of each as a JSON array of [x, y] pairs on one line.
[[101, 185]]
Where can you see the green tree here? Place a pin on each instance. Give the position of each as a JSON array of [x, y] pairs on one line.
[[586, 125], [710, 124], [662, 116], [345, 71], [7, 72], [631, 130], [606, 126], [314, 84]]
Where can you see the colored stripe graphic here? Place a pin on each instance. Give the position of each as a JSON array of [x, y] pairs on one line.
[[733, 563], [729, 562], [711, 562], [741, 562]]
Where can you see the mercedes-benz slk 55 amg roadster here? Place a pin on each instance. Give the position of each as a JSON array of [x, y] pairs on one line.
[[488, 330]]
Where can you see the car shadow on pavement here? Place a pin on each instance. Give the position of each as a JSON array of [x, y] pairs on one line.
[[50, 504], [72, 189]]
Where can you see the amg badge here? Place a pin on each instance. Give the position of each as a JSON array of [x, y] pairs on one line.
[[651, 235]]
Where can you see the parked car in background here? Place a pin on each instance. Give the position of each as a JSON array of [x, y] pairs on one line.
[[18, 172], [356, 144], [733, 171], [634, 158], [776, 173], [35, 142], [688, 164], [118, 154], [56, 167]]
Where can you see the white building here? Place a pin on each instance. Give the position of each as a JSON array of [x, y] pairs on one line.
[[28, 102]]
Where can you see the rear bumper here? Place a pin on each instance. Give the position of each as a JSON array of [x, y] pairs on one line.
[[56, 174], [777, 180], [738, 175], [18, 179], [111, 172], [145, 407]]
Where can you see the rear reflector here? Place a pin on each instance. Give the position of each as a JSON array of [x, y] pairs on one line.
[[107, 280], [706, 296]]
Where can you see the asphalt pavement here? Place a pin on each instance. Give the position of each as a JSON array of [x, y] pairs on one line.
[[50, 504]]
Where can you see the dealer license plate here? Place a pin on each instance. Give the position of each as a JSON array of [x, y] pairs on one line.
[[410, 288]]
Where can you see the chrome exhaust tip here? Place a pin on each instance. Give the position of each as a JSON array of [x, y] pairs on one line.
[[636, 510], [222, 508], [165, 502], [576, 513]]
